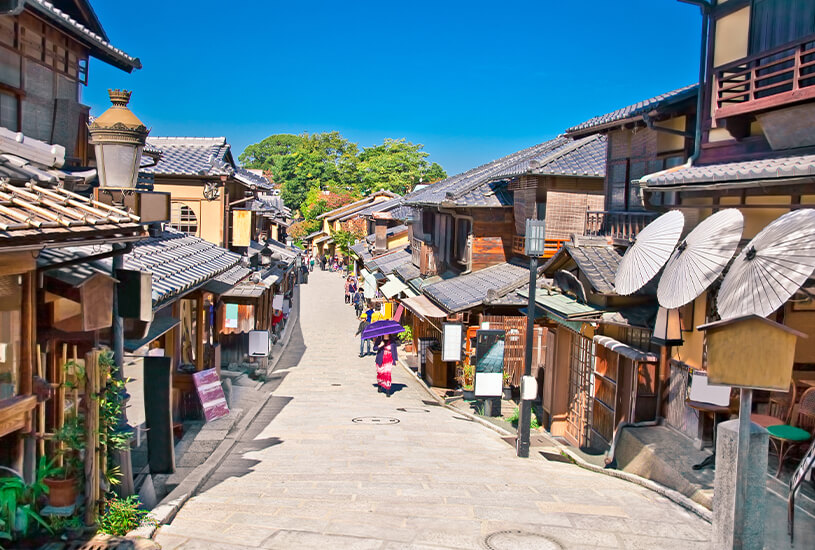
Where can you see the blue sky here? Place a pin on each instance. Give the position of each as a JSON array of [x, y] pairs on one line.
[[472, 81]]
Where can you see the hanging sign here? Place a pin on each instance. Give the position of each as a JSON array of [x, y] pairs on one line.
[[211, 394], [231, 316], [451, 342], [277, 302], [241, 227]]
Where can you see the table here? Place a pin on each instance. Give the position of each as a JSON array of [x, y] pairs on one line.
[[716, 410]]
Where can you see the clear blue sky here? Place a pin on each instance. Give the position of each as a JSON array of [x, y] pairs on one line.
[[471, 80]]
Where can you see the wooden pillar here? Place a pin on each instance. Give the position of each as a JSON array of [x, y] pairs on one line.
[[175, 352], [201, 319], [28, 341]]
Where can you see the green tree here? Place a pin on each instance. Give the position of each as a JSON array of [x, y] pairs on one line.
[[346, 239], [268, 152], [397, 165]]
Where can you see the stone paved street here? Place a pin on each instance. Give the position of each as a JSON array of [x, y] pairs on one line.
[[306, 475]]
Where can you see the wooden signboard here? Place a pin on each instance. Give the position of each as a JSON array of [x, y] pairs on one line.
[[241, 227], [208, 385]]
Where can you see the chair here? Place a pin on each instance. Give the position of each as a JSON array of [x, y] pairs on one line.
[[784, 437], [780, 408]]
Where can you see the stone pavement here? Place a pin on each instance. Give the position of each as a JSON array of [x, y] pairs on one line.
[[331, 463]]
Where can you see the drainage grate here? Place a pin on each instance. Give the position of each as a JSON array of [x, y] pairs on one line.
[[412, 410], [376, 420], [519, 540]]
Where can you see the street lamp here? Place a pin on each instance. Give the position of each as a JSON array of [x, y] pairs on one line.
[[534, 246], [118, 138], [668, 328]]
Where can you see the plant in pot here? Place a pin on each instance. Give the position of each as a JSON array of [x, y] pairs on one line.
[[467, 381], [18, 506], [63, 480], [407, 339], [507, 387]]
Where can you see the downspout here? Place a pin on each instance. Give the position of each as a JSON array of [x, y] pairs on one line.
[[705, 6], [444, 208]]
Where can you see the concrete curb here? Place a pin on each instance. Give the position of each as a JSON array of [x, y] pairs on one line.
[[172, 503], [670, 494]]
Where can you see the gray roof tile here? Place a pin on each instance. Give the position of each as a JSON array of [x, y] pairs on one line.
[[466, 291], [192, 156], [734, 172], [251, 179], [635, 110], [408, 271], [386, 263], [598, 263]]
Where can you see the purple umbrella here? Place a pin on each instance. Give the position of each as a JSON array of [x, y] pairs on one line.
[[381, 328]]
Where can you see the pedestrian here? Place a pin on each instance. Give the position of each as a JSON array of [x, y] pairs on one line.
[[363, 342], [352, 289], [369, 312], [311, 264], [348, 290], [322, 262], [359, 298], [385, 347]]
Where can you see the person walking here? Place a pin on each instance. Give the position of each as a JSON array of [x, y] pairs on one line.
[[311, 263], [385, 347], [348, 290], [352, 289], [363, 342], [359, 298]]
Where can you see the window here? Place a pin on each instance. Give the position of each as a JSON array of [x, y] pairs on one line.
[[428, 221], [462, 238], [183, 218]]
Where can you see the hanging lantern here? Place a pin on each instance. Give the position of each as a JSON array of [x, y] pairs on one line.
[[668, 328], [118, 137]]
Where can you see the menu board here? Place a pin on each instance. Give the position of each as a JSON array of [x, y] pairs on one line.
[[211, 394], [451, 342]]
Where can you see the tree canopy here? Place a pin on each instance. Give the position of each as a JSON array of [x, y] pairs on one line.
[[308, 165]]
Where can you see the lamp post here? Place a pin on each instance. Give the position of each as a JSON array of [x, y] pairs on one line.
[[534, 246], [118, 138]]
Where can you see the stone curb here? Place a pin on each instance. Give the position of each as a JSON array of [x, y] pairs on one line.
[[670, 494], [172, 503]]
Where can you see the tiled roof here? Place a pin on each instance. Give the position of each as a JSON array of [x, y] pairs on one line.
[[32, 214], [98, 44], [466, 291], [228, 279], [361, 250], [251, 179], [598, 263], [386, 263], [381, 206], [343, 211], [408, 271], [479, 187], [192, 156], [735, 172], [635, 110], [178, 262]]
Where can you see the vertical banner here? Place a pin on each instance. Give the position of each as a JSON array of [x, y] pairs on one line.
[[231, 316], [241, 227], [451, 342]]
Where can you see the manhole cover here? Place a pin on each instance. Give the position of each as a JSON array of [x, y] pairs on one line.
[[375, 420], [412, 410], [519, 540]]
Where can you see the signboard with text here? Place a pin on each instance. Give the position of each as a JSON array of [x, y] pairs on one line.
[[211, 394]]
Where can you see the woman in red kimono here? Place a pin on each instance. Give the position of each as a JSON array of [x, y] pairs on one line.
[[385, 359]]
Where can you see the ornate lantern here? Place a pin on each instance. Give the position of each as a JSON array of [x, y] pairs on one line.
[[118, 137]]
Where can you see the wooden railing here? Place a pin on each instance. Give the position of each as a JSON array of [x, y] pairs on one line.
[[766, 80], [618, 225], [551, 247]]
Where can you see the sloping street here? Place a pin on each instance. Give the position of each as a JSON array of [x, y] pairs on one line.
[[331, 463]]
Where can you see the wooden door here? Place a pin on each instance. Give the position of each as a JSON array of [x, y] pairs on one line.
[[580, 389], [549, 371]]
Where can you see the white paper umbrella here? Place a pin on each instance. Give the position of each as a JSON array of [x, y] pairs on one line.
[[771, 268], [700, 258], [651, 249]]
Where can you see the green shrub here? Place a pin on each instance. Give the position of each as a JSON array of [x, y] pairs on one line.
[[122, 515], [533, 421]]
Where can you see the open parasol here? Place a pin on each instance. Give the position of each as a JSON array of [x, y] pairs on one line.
[[381, 328], [700, 258], [651, 249], [771, 268]]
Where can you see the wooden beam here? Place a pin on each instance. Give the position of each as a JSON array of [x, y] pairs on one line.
[[199, 331]]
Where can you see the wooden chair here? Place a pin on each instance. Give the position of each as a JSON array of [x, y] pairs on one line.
[[780, 408], [784, 438]]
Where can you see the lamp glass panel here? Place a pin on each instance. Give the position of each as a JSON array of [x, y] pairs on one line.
[[117, 164]]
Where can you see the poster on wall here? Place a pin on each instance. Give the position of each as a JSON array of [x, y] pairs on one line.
[[231, 316], [277, 302], [489, 363], [208, 385], [451, 342]]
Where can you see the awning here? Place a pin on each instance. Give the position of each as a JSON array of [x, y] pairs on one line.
[[563, 306], [409, 292], [158, 326], [423, 307], [393, 287], [244, 291], [625, 350]]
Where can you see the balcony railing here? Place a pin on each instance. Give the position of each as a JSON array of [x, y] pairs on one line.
[[551, 247], [620, 226], [766, 80]]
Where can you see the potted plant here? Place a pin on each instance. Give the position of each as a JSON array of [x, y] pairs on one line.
[[467, 380], [407, 339], [507, 387], [18, 502], [63, 481]]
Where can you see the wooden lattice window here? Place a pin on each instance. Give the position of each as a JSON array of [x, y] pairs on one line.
[[581, 357], [182, 218]]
